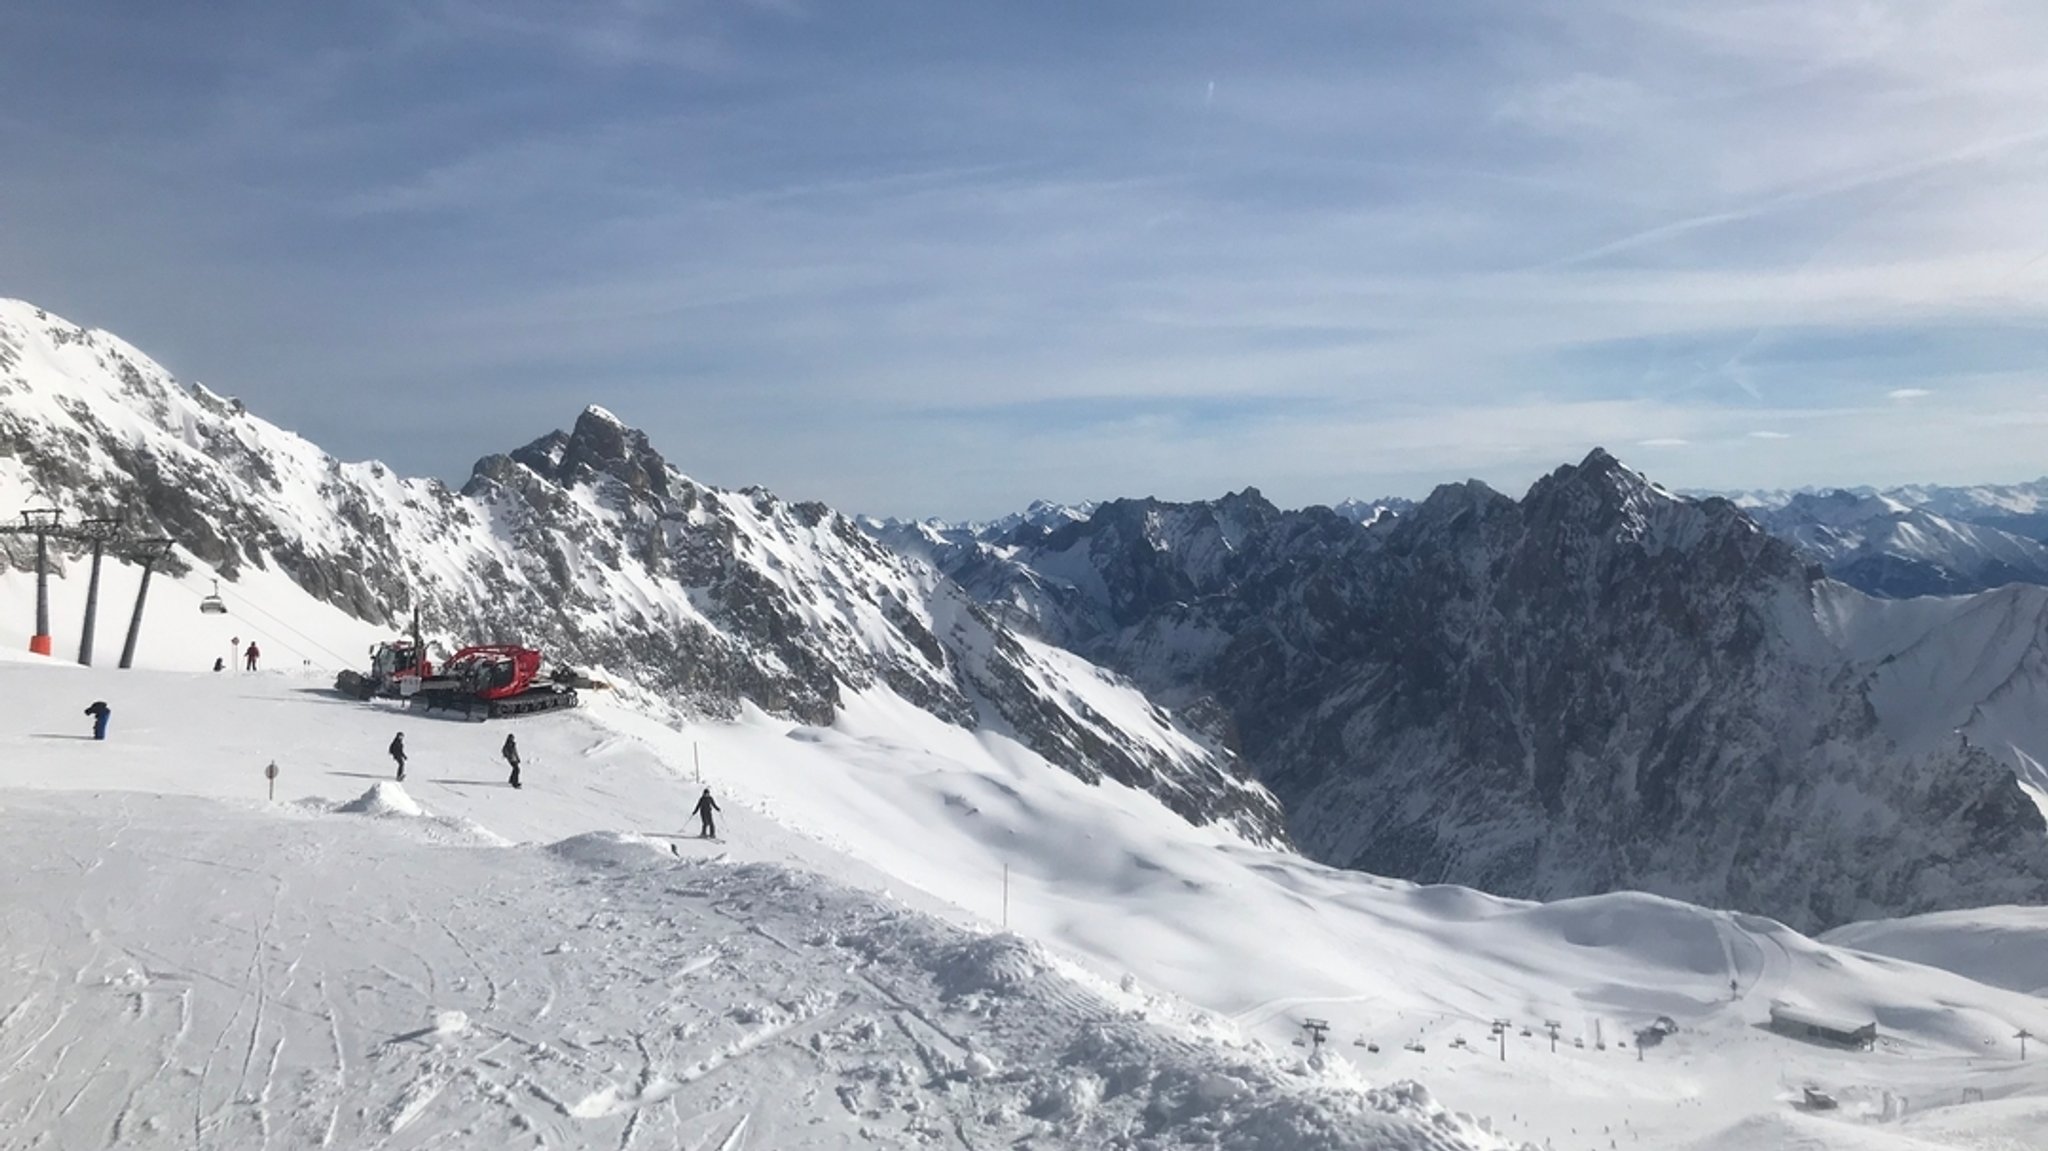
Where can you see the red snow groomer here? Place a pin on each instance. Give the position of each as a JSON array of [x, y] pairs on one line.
[[500, 679]]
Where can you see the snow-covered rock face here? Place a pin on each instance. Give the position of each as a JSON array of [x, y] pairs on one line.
[[587, 545], [91, 424], [1602, 686]]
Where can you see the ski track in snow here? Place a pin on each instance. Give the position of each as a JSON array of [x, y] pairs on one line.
[[178, 970], [692, 1000]]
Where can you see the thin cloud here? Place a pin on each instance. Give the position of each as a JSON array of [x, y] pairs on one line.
[[957, 236]]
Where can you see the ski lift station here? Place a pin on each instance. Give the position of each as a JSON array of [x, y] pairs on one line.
[[1815, 1027]]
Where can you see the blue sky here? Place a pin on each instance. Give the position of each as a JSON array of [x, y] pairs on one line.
[[943, 259]]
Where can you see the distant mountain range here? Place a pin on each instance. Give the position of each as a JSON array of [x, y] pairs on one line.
[[1920, 540], [1896, 543], [1599, 686]]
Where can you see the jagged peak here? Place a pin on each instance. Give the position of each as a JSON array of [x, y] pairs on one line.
[[1612, 483], [599, 444], [1458, 497]]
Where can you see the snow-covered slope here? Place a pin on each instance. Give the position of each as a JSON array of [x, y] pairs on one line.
[[456, 961], [584, 543], [1997, 946]]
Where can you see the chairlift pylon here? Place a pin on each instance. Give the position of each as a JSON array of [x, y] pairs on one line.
[[212, 604]]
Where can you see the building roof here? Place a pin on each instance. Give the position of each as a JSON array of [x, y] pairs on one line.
[[1807, 1017]]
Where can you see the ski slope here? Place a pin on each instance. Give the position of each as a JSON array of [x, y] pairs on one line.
[[567, 966], [2000, 946], [205, 966]]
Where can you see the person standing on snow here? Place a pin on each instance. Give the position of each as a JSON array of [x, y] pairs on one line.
[[100, 713], [251, 655], [705, 806], [397, 750], [511, 753]]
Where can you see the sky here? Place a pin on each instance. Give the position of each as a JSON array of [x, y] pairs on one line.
[[945, 259]]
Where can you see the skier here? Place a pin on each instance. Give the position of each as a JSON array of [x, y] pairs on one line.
[[511, 754], [99, 711], [397, 750], [251, 655], [705, 806]]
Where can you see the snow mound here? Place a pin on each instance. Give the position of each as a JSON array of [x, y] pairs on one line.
[[451, 1022], [611, 849], [390, 800], [386, 798], [995, 963]]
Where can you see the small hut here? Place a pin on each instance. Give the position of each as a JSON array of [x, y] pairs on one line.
[[1814, 1027]]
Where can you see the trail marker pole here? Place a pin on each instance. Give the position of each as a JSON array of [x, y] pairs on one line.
[[2023, 1036], [270, 773], [696, 761]]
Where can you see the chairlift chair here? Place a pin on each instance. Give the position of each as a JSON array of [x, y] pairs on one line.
[[211, 604]]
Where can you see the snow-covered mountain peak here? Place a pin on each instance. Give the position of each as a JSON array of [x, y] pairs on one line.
[[599, 445], [587, 545], [1602, 684], [1371, 513]]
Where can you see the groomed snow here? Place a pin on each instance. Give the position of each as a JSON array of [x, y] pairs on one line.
[[186, 953]]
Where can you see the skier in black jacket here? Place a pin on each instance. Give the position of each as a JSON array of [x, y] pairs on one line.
[[511, 754], [397, 750], [705, 806]]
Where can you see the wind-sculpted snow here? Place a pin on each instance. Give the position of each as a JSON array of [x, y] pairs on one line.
[[585, 544], [1601, 686], [336, 985]]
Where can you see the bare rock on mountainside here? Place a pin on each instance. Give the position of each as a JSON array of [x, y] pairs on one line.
[[588, 545], [1600, 686]]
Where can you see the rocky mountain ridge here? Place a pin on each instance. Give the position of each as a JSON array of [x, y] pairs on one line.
[[1600, 685], [586, 544]]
